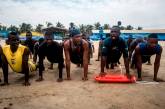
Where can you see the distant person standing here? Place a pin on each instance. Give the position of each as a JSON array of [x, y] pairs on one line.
[[29, 42], [100, 47], [130, 39], [91, 47], [36, 48]]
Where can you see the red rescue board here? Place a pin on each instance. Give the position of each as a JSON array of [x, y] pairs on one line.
[[109, 78]]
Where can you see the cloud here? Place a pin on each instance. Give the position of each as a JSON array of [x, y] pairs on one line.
[[145, 13]]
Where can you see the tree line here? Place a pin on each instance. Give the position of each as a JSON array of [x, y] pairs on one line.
[[87, 29]]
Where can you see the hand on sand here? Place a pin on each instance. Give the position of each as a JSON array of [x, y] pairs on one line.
[[148, 64], [51, 68], [158, 80], [84, 78], [68, 78], [102, 74], [128, 75], [5, 84], [59, 80], [40, 79], [27, 83], [139, 79]]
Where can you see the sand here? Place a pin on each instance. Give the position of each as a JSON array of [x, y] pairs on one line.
[[77, 94]]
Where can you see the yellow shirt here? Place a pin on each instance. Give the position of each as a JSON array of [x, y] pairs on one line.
[[14, 59]]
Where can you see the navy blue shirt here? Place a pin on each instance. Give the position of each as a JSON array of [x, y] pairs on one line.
[[119, 44]]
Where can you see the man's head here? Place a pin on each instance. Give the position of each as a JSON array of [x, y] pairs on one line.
[[28, 35], [41, 40], [48, 37], [13, 39], [115, 33], [152, 40], [75, 35]]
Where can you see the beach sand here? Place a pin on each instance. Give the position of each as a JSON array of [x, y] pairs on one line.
[[77, 94]]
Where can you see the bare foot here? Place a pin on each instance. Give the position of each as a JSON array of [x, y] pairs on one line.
[[158, 80]]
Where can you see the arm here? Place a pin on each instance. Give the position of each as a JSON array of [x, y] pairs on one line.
[[93, 48], [138, 62], [85, 59], [36, 46], [104, 54], [25, 67], [103, 61], [41, 59], [125, 57], [67, 58], [4, 67], [157, 64], [60, 63]]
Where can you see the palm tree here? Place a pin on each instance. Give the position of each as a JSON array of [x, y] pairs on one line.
[[139, 28], [82, 28], [129, 27], [48, 24], [97, 25], [106, 26], [60, 25], [39, 27], [89, 29], [25, 27], [12, 28]]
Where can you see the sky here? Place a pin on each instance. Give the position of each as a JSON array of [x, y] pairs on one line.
[[144, 13]]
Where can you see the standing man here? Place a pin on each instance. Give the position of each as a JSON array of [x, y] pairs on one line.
[[113, 47], [144, 51], [76, 51], [29, 42]]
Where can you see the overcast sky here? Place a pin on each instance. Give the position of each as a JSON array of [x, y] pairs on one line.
[[145, 13]]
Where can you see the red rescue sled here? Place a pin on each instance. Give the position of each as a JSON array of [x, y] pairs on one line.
[[109, 78]]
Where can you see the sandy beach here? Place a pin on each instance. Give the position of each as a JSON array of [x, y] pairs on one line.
[[77, 94]]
